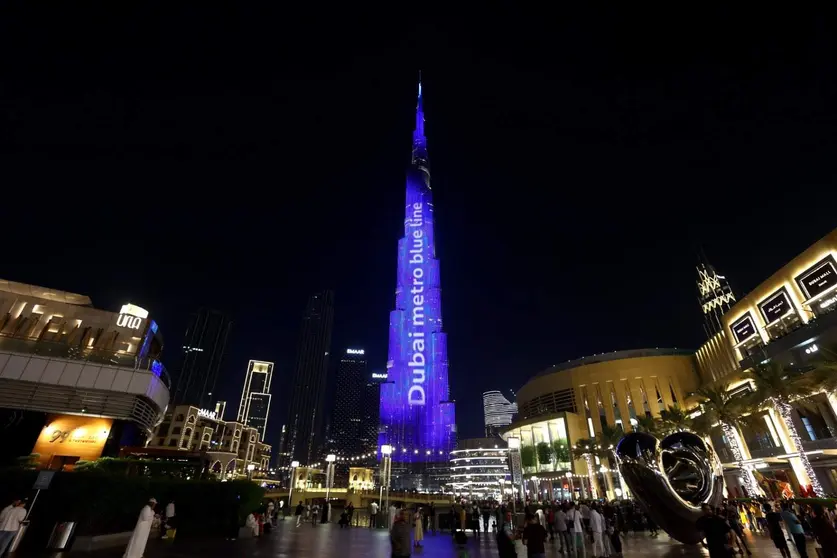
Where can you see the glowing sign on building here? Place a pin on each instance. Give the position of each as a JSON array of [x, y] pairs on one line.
[[416, 415], [131, 316], [355, 351]]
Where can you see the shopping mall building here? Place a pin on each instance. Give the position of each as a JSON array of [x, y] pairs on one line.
[[789, 318], [76, 382]]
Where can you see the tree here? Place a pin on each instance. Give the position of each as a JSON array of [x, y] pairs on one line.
[[545, 453], [721, 407], [562, 452], [675, 419], [585, 449], [649, 425], [527, 456], [778, 387]]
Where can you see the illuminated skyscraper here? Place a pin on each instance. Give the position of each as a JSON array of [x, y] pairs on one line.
[[348, 404], [203, 351], [498, 411], [305, 415], [254, 407], [417, 417]]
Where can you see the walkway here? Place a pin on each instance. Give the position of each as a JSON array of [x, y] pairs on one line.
[[329, 541]]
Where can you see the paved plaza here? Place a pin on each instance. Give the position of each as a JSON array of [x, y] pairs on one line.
[[329, 541]]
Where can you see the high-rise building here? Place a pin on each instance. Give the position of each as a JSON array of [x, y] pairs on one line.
[[417, 417], [305, 413], [254, 408], [715, 297], [348, 403], [498, 412], [203, 352], [370, 417]]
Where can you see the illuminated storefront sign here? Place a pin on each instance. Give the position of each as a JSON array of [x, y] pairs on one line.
[[819, 279], [206, 413], [776, 306], [379, 376], [66, 439], [131, 316], [743, 328], [415, 413], [355, 351]]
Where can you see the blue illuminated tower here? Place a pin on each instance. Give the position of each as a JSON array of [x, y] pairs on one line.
[[417, 418]]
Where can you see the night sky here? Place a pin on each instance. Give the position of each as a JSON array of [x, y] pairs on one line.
[[243, 159]]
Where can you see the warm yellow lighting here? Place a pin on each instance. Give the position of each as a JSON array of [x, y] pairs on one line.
[[133, 310]]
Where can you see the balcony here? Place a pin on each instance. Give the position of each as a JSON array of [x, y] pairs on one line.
[[56, 378]]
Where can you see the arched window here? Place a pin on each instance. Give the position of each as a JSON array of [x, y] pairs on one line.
[[191, 419], [187, 432]]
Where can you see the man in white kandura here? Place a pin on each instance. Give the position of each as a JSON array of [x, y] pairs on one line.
[[136, 546]]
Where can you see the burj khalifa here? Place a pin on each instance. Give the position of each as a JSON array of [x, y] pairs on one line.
[[417, 417]]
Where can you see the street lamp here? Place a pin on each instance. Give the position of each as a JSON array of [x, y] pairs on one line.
[[294, 465], [330, 459], [386, 469], [250, 468]]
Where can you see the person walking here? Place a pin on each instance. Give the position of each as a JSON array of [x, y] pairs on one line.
[[373, 515], [399, 537], [139, 538], [561, 529], [281, 512], [169, 521], [575, 525], [717, 532], [597, 527], [534, 536], [505, 539], [350, 512], [418, 528], [773, 520], [10, 519], [734, 519], [797, 532], [300, 509], [824, 532], [315, 512]]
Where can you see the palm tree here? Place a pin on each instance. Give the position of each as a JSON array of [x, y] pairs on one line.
[[602, 446], [675, 419], [721, 407], [779, 386], [585, 449], [649, 425]]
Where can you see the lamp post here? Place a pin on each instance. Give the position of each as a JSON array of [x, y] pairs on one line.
[[516, 471], [250, 468], [330, 459], [294, 465], [386, 468]]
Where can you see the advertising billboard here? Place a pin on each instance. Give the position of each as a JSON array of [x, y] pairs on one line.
[[776, 306], [819, 278], [743, 328], [67, 438]]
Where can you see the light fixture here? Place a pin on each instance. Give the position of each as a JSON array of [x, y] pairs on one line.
[[331, 458]]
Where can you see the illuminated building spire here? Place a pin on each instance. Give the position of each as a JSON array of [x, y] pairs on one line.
[[419, 141], [715, 296]]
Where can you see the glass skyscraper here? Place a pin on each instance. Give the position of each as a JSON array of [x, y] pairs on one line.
[[417, 418]]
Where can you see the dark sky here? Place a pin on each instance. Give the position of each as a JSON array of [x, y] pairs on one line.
[[243, 158]]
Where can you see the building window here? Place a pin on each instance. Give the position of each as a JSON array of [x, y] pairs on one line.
[[809, 427], [178, 418], [172, 443], [176, 430]]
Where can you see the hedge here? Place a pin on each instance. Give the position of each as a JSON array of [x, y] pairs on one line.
[[102, 503]]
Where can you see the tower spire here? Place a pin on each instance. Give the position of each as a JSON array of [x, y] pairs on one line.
[[419, 141]]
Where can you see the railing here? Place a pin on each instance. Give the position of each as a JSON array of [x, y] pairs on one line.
[[51, 349]]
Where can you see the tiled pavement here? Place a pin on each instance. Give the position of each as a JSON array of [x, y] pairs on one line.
[[328, 541]]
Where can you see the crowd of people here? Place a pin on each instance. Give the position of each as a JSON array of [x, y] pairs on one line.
[[784, 521]]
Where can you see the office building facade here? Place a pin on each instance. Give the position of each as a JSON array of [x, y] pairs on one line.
[[417, 416], [203, 353], [498, 412], [254, 408], [346, 420], [370, 419], [305, 414]]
